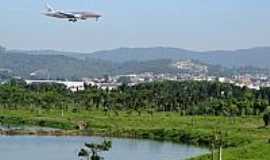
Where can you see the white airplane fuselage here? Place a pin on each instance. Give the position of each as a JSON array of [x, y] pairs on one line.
[[71, 16]]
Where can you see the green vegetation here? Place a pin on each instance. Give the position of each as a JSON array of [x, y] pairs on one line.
[[266, 117], [185, 98], [182, 112]]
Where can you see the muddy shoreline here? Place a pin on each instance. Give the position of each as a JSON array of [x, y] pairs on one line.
[[15, 132]]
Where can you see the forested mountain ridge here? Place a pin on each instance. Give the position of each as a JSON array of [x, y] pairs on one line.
[[68, 65], [53, 66], [256, 57]]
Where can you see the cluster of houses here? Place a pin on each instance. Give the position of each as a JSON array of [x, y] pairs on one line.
[[113, 82]]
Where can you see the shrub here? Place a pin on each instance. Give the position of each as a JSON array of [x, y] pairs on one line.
[[266, 117]]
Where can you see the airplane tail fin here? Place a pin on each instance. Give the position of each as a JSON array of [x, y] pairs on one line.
[[49, 7]]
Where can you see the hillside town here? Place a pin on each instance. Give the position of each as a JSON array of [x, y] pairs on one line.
[[188, 71]]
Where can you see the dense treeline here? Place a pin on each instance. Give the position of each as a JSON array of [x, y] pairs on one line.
[[187, 98]]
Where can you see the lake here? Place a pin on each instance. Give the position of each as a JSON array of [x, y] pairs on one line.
[[67, 148]]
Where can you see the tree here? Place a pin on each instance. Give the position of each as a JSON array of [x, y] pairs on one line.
[[91, 150], [266, 117], [217, 143]]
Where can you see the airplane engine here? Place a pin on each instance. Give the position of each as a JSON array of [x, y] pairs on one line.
[[73, 20]]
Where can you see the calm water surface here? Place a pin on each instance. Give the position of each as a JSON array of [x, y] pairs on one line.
[[66, 148]]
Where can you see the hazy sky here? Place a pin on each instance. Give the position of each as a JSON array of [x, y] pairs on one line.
[[190, 24]]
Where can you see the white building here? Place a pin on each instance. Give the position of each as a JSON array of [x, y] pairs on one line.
[[71, 85]]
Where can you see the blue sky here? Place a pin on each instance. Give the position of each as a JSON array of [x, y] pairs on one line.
[[189, 24]]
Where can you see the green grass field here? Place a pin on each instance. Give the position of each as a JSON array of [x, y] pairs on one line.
[[245, 138]]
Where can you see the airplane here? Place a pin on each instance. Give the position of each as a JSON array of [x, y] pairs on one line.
[[71, 16]]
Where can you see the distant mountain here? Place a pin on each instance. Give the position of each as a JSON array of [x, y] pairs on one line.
[[143, 54], [52, 66], [69, 65], [154, 66], [5, 75], [64, 67], [52, 52], [257, 57], [2, 49]]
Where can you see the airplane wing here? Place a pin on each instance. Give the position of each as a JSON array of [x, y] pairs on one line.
[[68, 15]]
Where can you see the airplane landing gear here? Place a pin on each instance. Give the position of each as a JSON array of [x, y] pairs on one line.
[[73, 20]]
